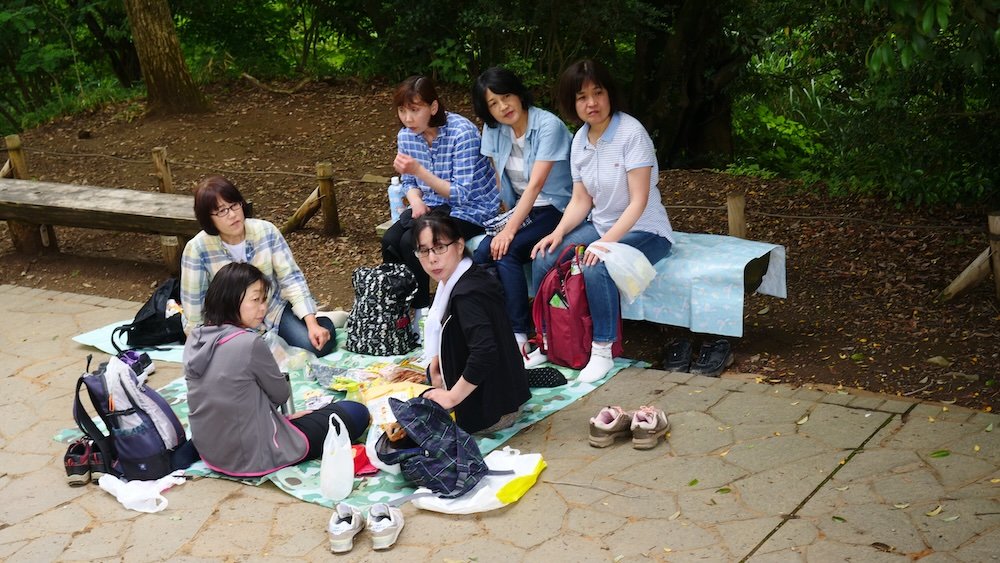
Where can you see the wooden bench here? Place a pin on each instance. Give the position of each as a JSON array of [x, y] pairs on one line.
[[71, 205]]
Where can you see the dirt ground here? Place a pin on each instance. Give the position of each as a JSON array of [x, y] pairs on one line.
[[863, 276]]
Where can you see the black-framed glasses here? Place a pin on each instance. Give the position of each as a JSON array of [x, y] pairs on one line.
[[437, 250], [226, 209]]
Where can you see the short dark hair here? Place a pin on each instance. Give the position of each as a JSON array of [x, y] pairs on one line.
[[572, 81], [500, 81], [206, 200], [444, 229], [226, 291], [420, 89]]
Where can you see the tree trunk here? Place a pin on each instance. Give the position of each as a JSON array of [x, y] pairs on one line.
[[169, 87], [119, 50]]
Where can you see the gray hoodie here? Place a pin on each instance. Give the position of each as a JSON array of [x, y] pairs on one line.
[[233, 386]]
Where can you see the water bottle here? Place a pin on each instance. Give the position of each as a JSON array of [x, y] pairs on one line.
[[397, 199]]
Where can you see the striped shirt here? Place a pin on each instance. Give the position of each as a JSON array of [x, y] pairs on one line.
[[603, 168], [454, 157], [266, 249]]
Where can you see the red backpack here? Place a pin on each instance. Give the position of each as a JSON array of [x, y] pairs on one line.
[[561, 313]]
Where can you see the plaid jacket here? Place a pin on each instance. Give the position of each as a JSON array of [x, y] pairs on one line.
[[205, 255]]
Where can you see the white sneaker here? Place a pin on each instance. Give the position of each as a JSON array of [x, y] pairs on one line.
[[599, 365], [384, 523], [345, 523]]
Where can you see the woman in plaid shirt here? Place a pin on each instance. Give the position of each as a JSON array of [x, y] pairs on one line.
[[229, 236], [442, 171]]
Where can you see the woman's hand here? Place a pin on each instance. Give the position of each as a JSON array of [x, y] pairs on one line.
[[501, 243], [297, 414], [591, 259], [548, 244], [444, 398], [406, 164], [418, 209], [318, 335]]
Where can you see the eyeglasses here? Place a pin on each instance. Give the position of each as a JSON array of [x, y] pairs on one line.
[[437, 250], [226, 210]]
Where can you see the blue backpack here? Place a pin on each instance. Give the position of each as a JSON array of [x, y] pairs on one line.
[[143, 430], [436, 453]]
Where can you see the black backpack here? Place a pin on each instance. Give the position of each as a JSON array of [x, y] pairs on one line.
[[379, 324], [151, 326], [435, 453], [142, 430]]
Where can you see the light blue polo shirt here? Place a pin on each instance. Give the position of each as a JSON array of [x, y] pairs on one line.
[[603, 168]]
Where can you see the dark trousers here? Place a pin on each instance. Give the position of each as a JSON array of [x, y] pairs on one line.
[[400, 241], [316, 424]]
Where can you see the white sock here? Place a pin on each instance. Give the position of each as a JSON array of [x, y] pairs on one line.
[[600, 362], [537, 357], [521, 339]]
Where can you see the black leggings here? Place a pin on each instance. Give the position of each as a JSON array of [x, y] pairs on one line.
[[316, 424], [399, 242]]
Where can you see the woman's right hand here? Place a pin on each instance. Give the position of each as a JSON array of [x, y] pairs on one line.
[[434, 368], [548, 244]]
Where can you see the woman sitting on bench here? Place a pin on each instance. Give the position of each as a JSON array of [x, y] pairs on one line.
[[229, 236], [614, 169]]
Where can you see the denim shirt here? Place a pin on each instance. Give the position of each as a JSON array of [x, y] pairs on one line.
[[547, 139]]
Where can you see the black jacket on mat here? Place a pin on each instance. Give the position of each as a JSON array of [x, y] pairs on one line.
[[478, 342]]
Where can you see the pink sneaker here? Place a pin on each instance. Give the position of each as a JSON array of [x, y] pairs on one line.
[[648, 425], [609, 424]]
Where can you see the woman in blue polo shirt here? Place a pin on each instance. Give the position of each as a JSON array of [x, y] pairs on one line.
[[530, 150], [614, 170], [442, 171]]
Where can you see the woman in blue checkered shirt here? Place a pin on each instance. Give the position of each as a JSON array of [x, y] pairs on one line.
[[442, 172]]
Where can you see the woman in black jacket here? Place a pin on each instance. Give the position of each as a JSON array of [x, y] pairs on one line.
[[475, 365]]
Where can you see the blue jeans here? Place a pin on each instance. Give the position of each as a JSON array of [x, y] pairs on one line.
[[296, 333], [510, 268], [602, 293]]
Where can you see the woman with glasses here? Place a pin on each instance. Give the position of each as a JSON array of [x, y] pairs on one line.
[[442, 171], [229, 236], [475, 366]]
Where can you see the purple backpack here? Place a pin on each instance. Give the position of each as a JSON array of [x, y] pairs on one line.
[[143, 431]]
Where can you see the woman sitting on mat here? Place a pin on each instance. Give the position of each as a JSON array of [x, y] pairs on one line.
[[615, 172], [229, 236], [441, 170], [474, 365], [530, 149], [234, 386]]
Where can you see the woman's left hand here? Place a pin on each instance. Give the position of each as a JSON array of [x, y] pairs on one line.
[[591, 259], [441, 397], [297, 414], [318, 335], [501, 243]]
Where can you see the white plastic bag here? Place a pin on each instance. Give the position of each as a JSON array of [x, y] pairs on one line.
[[628, 266], [336, 473], [141, 496], [374, 433], [493, 491]]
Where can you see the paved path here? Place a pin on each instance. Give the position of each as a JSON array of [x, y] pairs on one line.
[[753, 472]]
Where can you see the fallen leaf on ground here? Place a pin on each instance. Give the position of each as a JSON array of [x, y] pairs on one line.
[[803, 420], [692, 482], [936, 511], [939, 361], [951, 518], [902, 505], [838, 519], [675, 515], [941, 453]]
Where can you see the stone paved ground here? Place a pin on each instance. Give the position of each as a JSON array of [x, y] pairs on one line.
[[752, 472]]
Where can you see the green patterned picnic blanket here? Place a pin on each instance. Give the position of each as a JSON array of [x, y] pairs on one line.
[[302, 480]]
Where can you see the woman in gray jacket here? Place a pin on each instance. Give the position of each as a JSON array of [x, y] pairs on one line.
[[234, 386]]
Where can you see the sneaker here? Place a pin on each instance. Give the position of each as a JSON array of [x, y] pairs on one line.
[[713, 358], [384, 523], [609, 424], [77, 463], [97, 467], [648, 425], [535, 358], [677, 355], [599, 365], [345, 523]]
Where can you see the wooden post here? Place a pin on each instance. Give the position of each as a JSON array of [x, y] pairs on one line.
[[305, 212], [994, 223], [170, 245], [7, 171], [29, 238], [328, 198], [974, 273], [736, 204]]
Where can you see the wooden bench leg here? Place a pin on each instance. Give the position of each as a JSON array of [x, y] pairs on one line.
[[30, 238], [172, 250]]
